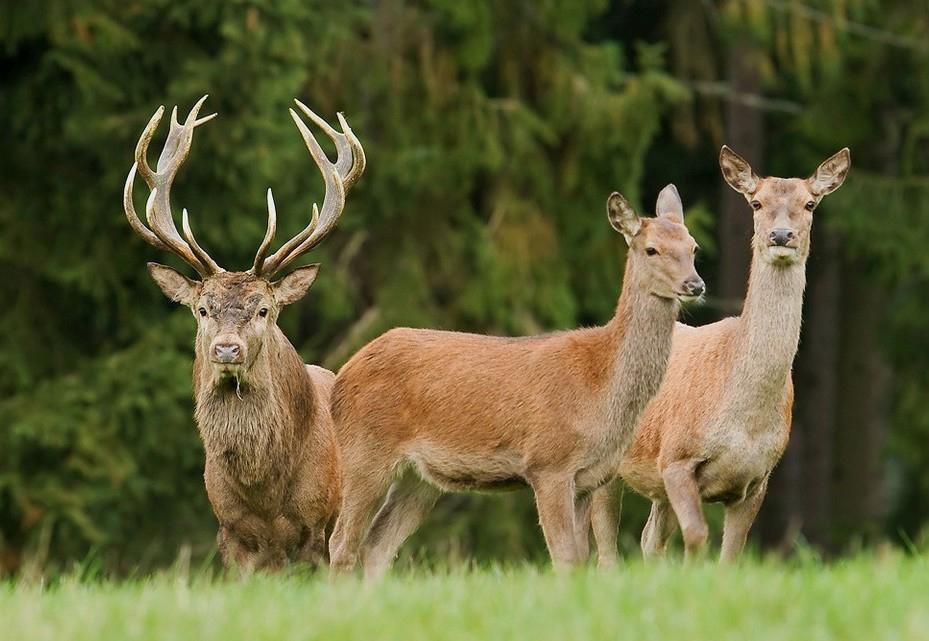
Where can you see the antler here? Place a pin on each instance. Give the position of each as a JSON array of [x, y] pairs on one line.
[[339, 178], [163, 233]]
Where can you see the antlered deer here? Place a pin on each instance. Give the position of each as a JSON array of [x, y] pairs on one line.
[[418, 412], [721, 420], [272, 465]]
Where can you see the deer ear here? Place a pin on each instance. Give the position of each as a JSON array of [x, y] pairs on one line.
[[175, 285], [737, 172], [294, 285], [830, 175], [622, 216], [669, 204]]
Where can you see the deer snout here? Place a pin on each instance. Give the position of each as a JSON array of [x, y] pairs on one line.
[[694, 286], [227, 352], [781, 237]]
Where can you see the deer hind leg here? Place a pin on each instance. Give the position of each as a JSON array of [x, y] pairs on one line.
[[738, 521], [554, 496], [408, 502], [604, 521], [363, 490], [684, 496], [582, 507], [658, 530]]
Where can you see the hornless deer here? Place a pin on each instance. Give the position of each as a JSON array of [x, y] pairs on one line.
[[272, 465], [721, 420], [418, 412]]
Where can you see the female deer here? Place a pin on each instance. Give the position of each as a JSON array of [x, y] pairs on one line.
[[721, 420], [272, 467], [419, 411]]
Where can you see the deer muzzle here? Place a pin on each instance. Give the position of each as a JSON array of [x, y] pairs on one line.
[[227, 351], [781, 237]]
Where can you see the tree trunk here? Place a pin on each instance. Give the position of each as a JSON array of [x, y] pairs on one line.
[[745, 134], [816, 386], [859, 488]]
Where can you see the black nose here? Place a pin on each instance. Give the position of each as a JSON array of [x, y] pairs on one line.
[[227, 353], [695, 287], [780, 237]]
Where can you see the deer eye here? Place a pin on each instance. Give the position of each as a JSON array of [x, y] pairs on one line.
[[810, 206], [263, 312], [756, 205], [651, 251], [202, 311]]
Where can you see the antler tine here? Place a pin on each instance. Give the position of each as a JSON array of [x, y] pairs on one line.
[[350, 162], [343, 161], [194, 245], [133, 217], [358, 154], [274, 263], [323, 222], [158, 208], [269, 236], [141, 148]]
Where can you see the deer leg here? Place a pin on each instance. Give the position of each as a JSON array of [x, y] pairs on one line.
[[314, 550], [363, 491], [658, 530], [582, 506], [554, 496], [604, 521], [409, 501], [738, 521], [684, 496], [245, 554]]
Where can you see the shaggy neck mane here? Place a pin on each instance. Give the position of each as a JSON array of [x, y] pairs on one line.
[[640, 338], [769, 333], [245, 423]]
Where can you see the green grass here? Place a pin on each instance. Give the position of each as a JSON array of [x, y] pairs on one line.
[[863, 598]]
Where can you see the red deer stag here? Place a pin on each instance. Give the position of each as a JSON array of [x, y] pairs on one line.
[[272, 466], [419, 412], [721, 420]]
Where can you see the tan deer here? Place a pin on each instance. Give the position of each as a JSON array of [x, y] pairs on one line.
[[419, 412], [272, 465], [721, 420]]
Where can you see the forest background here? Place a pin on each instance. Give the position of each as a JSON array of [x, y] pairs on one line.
[[494, 132]]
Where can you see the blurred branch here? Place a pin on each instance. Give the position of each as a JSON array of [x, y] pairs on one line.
[[754, 101], [856, 28], [356, 336]]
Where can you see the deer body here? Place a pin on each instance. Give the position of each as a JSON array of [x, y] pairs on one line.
[[721, 419], [424, 411], [531, 405], [735, 423], [272, 468]]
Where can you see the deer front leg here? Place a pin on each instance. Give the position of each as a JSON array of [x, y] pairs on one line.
[[582, 506], [658, 530], [247, 554], [314, 550], [684, 496], [738, 521], [604, 521], [554, 496]]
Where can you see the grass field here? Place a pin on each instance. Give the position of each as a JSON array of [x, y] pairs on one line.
[[864, 598]]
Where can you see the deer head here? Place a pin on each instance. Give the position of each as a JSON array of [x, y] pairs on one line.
[[783, 207], [236, 312], [662, 244]]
